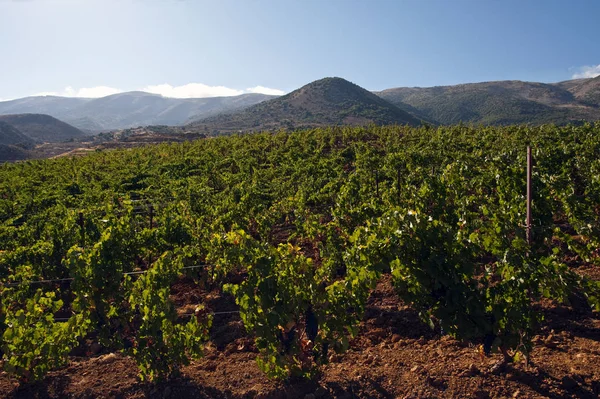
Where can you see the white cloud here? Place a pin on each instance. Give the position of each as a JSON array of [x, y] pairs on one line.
[[190, 90], [93, 92], [587, 71], [265, 90], [89, 92]]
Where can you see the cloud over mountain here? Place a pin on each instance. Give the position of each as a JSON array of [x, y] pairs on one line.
[[190, 90], [84, 92], [587, 71]]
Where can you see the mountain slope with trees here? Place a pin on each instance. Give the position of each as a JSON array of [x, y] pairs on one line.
[[11, 135], [329, 101], [503, 102], [42, 128]]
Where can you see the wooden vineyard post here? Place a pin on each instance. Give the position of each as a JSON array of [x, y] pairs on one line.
[[81, 228], [528, 223]]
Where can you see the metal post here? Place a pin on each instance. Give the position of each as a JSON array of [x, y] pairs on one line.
[[529, 165]]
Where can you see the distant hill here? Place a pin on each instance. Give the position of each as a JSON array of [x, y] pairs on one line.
[[131, 109], [42, 128], [586, 91], [503, 102], [11, 135], [49, 105], [329, 101], [12, 153]]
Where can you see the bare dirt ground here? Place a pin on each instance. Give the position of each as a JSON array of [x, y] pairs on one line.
[[394, 356]]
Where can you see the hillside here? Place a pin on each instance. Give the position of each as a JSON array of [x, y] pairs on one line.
[[42, 128], [586, 91], [329, 101], [503, 102], [131, 109], [49, 105], [11, 135], [13, 153]]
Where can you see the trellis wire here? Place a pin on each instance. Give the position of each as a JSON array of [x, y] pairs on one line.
[[58, 280], [65, 319]]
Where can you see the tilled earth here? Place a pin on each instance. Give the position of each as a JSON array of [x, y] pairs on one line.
[[394, 356]]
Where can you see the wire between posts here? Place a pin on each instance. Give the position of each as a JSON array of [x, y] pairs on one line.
[[58, 280], [65, 319]]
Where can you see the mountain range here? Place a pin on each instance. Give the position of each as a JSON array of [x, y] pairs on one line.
[[329, 101], [130, 109]]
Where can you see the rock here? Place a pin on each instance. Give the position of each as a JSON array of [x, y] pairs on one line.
[[550, 341], [335, 358], [499, 367], [111, 357], [516, 394], [396, 338]]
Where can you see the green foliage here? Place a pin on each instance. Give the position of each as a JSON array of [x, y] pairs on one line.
[[33, 343], [160, 345], [298, 227], [297, 309]]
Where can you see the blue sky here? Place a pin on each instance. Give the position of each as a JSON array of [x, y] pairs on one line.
[[223, 47]]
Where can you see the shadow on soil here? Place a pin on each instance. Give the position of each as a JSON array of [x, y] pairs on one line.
[[551, 387], [58, 387]]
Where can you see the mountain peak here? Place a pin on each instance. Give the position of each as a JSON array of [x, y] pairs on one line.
[[328, 101], [333, 89]]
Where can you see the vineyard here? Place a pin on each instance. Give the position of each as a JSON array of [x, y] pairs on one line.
[[297, 232]]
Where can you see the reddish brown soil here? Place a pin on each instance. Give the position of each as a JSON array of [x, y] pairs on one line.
[[395, 356]]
